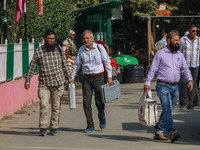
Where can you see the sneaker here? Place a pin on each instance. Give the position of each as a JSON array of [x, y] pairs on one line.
[[43, 131], [191, 107], [160, 136], [53, 131], [174, 136], [89, 129], [182, 107], [102, 124]]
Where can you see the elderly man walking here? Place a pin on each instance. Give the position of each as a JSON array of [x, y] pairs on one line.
[[92, 57]]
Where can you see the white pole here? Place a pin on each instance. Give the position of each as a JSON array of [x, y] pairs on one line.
[[25, 21], [25, 7], [42, 7], [4, 21], [4, 5]]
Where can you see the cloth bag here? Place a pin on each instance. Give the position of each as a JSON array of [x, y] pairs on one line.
[[147, 111]]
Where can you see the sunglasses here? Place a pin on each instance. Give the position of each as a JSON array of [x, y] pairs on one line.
[[194, 30]]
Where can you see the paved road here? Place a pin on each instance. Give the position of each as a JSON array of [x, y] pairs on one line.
[[123, 132]]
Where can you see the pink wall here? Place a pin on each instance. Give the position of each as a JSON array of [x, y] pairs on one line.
[[13, 95]]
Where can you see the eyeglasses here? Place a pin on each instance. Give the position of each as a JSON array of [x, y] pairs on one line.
[[50, 38], [194, 30]]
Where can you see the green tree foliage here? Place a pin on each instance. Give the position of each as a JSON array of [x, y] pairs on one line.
[[140, 7], [85, 3], [136, 25], [57, 15], [188, 7]]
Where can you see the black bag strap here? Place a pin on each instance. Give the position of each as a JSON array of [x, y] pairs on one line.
[[59, 49], [99, 51]]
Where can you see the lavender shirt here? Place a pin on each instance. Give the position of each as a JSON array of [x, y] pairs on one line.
[[168, 67]]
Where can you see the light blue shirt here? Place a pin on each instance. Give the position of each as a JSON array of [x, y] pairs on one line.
[[92, 61], [164, 41], [168, 67]]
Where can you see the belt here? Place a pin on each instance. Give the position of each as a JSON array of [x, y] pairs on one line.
[[172, 84], [94, 75]]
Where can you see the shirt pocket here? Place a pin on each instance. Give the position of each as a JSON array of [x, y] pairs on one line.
[[97, 59], [85, 59], [178, 62]]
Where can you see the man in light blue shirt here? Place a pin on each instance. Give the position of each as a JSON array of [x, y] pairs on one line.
[[163, 40], [92, 56], [168, 64], [160, 44]]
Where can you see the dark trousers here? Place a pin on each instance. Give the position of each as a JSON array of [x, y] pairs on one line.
[[197, 96], [198, 78], [89, 84], [187, 97]]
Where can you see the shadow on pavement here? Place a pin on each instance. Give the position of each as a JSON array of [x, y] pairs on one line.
[[121, 137], [186, 122], [34, 131]]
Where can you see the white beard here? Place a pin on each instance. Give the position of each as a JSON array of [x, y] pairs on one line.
[[88, 43]]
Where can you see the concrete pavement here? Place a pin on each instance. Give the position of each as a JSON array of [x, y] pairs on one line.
[[123, 130]]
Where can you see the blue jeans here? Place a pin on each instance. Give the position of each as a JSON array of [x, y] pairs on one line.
[[168, 96]]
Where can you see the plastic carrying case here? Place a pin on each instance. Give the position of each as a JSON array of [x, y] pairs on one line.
[[109, 93], [72, 96]]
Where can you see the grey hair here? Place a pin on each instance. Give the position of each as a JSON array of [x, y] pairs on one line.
[[163, 33], [89, 31], [172, 33]]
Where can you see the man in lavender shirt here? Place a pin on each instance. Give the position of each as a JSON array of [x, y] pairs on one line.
[[168, 63]]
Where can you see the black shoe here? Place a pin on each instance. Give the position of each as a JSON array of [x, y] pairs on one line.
[[53, 131], [174, 136], [191, 107], [43, 131], [182, 107]]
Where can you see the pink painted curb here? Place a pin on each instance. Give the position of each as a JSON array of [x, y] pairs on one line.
[[13, 95]]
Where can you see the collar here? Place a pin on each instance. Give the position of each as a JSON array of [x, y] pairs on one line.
[[94, 46], [166, 50], [186, 38], [69, 39]]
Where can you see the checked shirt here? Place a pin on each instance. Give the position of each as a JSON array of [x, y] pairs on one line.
[[190, 50], [53, 67]]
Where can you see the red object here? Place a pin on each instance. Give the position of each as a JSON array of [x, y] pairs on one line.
[[165, 12], [39, 6], [103, 43], [19, 9], [113, 64]]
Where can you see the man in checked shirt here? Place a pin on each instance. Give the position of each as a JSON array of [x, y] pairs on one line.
[[190, 47], [53, 66]]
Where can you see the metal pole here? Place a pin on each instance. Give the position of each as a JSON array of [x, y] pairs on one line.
[[149, 40]]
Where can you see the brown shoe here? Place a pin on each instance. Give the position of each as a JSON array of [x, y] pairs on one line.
[[160, 136], [174, 136]]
